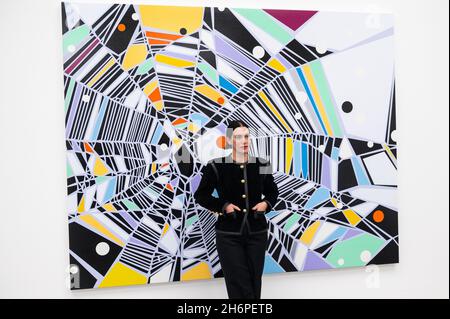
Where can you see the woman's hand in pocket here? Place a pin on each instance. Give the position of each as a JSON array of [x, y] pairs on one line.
[[231, 208], [260, 207]]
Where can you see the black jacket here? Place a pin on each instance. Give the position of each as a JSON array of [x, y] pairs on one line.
[[240, 184]]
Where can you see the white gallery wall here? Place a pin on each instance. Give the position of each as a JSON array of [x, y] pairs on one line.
[[33, 223]]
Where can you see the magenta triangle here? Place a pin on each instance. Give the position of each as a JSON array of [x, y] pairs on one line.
[[294, 19]]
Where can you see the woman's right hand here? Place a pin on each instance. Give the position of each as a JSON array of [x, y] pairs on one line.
[[231, 208]]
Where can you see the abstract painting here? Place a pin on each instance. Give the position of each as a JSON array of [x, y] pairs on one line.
[[148, 92]]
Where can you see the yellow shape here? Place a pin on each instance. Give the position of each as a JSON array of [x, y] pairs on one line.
[[100, 168], [209, 92], [274, 111], [391, 155], [180, 63], [177, 141], [289, 153], [171, 18], [199, 271], [312, 85], [89, 219], [275, 64], [351, 216], [158, 105], [308, 234], [154, 168], [192, 127], [109, 207], [102, 71], [121, 275], [150, 87], [165, 229], [81, 205], [334, 201], [135, 54]]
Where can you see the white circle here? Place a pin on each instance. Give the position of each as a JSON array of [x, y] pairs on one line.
[[394, 135], [365, 256], [321, 49], [340, 261], [322, 148], [163, 146], [258, 52], [102, 248], [71, 48], [135, 16], [339, 205], [221, 8], [298, 116], [85, 98], [301, 97], [369, 144], [73, 269]]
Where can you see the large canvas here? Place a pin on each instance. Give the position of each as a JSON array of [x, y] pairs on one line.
[[148, 91]]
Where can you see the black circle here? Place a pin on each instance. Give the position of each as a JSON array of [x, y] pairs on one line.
[[183, 30], [347, 107]]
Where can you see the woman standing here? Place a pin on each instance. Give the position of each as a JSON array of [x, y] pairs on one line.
[[241, 226]]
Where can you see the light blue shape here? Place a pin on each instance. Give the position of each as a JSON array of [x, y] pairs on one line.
[[111, 190], [297, 158], [227, 85], [305, 160], [215, 194], [271, 214], [319, 196], [271, 266], [335, 153], [308, 92], [197, 117], [360, 174], [99, 120], [157, 136], [335, 235]]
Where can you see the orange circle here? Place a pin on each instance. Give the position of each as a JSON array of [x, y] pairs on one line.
[[220, 100], [220, 141], [378, 216], [121, 27]]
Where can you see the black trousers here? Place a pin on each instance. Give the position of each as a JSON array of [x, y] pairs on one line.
[[242, 260]]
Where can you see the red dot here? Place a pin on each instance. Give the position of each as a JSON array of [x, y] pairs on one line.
[[121, 27], [220, 100]]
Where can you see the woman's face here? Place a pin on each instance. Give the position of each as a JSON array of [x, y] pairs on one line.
[[240, 140]]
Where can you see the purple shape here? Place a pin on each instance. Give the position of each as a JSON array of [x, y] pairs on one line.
[[224, 48], [80, 58], [314, 261], [283, 61], [73, 110], [326, 181], [174, 182], [130, 220], [291, 18], [139, 242], [195, 181], [351, 233]]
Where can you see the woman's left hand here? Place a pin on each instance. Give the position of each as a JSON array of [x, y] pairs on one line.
[[261, 206]]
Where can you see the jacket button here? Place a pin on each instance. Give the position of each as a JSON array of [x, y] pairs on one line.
[[243, 196], [242, 166], [242, 180], [244, 210]]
